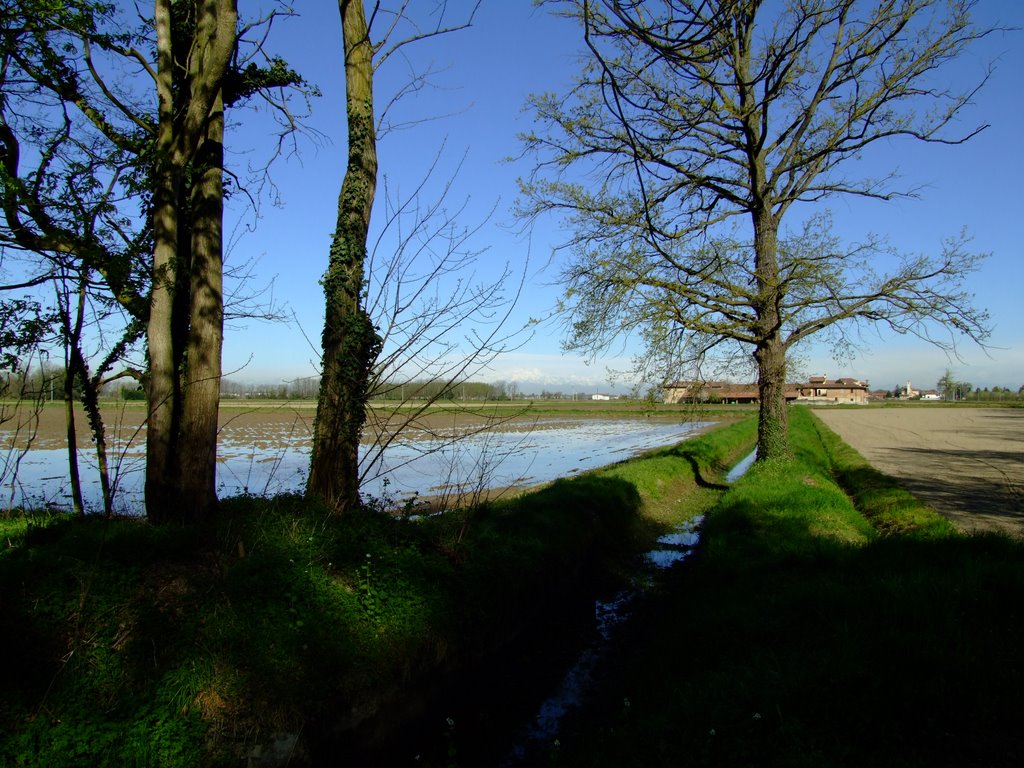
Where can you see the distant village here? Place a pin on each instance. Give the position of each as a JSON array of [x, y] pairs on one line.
[[817, 390]]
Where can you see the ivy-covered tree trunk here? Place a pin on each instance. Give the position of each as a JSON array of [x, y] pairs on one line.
[[770, 351], [350, 342]]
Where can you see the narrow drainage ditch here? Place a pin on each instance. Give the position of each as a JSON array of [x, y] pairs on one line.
[[740, 469], [542, 732]]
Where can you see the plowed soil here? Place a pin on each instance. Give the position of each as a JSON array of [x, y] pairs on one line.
[[967, 463]]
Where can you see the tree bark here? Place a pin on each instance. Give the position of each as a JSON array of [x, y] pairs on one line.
[[161, 394], [77, 504], [186, 308], [201, 385], [350, 342], [770, 351], [773, 418]]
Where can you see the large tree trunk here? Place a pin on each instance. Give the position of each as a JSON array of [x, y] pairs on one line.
[[350, 342], [161, 385], [186, 309], [770, 353], [201, 387], [772, 416]]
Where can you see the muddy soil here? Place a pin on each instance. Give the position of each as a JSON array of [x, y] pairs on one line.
[[967, 463], [46, 428], [281, 423]]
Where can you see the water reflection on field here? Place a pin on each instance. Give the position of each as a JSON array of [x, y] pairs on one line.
[[273, 457]]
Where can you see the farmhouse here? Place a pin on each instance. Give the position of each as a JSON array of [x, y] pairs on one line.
[[717, 392], [818, 389]]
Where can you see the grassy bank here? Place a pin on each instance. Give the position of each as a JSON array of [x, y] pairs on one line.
[[830, 620], [277, 629]]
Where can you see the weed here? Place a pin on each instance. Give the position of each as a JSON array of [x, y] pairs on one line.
[[369, 597]]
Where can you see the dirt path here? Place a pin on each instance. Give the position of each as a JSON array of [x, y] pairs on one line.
[[968, 463]]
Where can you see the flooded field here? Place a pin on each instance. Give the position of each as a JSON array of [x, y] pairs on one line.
[[266, 451]]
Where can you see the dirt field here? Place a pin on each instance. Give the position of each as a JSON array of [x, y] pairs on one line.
[[968, 463], [273, 421]]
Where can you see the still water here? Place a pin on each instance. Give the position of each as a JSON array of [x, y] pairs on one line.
[[269, 460]]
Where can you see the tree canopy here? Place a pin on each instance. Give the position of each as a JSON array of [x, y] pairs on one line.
[[695, 129]]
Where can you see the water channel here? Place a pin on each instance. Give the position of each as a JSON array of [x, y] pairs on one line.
[[274, 459], [609, 614]]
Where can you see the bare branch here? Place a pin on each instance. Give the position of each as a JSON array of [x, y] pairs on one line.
[[692, 130], [386, 47]]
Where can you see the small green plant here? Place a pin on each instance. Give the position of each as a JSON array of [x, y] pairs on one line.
[[369, 596], [409, 506]]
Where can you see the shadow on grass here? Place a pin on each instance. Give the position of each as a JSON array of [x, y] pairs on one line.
[[707, 462], [352, 637], [805, 634], [904, 652]]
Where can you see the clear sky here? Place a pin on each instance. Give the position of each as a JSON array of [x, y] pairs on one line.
[[484, 75]]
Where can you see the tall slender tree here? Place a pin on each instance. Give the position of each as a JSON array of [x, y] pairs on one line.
[[350, 342]]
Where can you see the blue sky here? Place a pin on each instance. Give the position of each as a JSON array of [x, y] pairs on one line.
[[484, 75]]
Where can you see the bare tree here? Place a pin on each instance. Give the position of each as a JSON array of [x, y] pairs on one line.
[[350, 341], [440, 325], [698, 125]]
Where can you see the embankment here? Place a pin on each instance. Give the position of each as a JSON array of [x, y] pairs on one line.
[[830, 619], [275, 632]]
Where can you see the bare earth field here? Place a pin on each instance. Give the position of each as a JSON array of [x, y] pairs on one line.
[[267, 421], [967, 463]]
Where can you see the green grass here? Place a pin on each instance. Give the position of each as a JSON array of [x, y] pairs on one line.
[[813, 633], [128, 644], [829, 619], [889, 508], [15, 527]]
